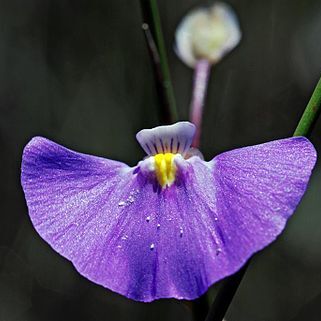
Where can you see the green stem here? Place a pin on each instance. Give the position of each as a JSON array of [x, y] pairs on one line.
[[225, 295], [151, 17], [311, 113], [229, 287], [199, 308]]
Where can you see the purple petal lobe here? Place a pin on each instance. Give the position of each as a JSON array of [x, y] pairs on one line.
[[176, 138], [258, 189], [146, 243]]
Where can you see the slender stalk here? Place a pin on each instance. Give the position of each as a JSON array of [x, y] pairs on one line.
[[225, 296], [230, 286], [200, 82], [311, 113], [200, 308], [162, 77], [164, 110]]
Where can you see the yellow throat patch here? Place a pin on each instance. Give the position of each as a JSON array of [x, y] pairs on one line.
[[165, 169]]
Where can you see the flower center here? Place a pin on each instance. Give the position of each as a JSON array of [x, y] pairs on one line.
[[165, 168]]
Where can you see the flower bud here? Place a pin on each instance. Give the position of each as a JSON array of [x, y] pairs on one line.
[[207, 33]]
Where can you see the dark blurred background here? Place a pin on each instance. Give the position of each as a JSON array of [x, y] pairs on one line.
[[78, 73]]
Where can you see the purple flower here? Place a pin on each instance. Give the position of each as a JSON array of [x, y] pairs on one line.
[[172, 225]]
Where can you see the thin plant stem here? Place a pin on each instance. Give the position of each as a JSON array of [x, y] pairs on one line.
[[201, 76], [164, 110], [162, 77], [225, 296], [311, 113], [229, 287], [200, 308]]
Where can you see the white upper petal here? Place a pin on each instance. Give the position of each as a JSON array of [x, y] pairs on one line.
[[176, 138]]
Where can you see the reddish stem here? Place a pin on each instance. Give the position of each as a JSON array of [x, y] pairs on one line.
[[201, 77]]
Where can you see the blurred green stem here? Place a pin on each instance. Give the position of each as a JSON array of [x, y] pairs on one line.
[[225, 295], [310, 114], [230, 285], [161, 69]]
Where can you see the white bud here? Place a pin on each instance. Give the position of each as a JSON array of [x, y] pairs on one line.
[[207, 33]]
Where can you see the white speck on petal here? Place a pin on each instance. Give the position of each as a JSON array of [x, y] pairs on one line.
[[152, 246], [121, 203], [131, 199]]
